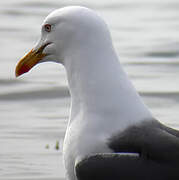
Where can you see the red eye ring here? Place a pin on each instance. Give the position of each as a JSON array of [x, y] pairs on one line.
[[47, 27]]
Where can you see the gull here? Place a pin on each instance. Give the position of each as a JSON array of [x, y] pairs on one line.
[[111, 134]]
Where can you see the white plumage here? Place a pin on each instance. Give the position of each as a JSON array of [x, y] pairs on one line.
[[104, 103], [103, 100]]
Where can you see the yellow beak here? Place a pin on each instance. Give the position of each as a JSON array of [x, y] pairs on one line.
[[30, 60]]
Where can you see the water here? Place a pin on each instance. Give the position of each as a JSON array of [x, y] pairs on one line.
[[34, 108]]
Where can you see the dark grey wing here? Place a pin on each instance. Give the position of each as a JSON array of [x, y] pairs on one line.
[[170, 130], [123, 167], [158, 149], [151, 140]]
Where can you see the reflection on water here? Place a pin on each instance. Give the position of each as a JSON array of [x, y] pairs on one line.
[[34, 108]]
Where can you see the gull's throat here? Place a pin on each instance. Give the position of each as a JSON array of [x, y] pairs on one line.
[[99, 85]]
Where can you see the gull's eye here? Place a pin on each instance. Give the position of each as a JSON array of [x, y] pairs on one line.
[[47, 27]]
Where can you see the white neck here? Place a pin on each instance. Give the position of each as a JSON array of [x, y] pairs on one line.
[[99, 85], [104, 102]]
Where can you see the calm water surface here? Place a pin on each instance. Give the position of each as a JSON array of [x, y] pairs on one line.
[[34, 108]]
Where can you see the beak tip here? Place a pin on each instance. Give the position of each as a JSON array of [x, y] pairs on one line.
[[17, 75], [21, 70], [30, 60]]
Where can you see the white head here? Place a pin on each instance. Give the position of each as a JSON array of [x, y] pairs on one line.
[[66, 32], [103, 99], [80, 40]]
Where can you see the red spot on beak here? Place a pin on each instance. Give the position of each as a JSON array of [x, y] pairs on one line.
[[22, 70]]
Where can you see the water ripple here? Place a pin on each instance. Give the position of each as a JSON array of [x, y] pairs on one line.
[[36, 95]]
